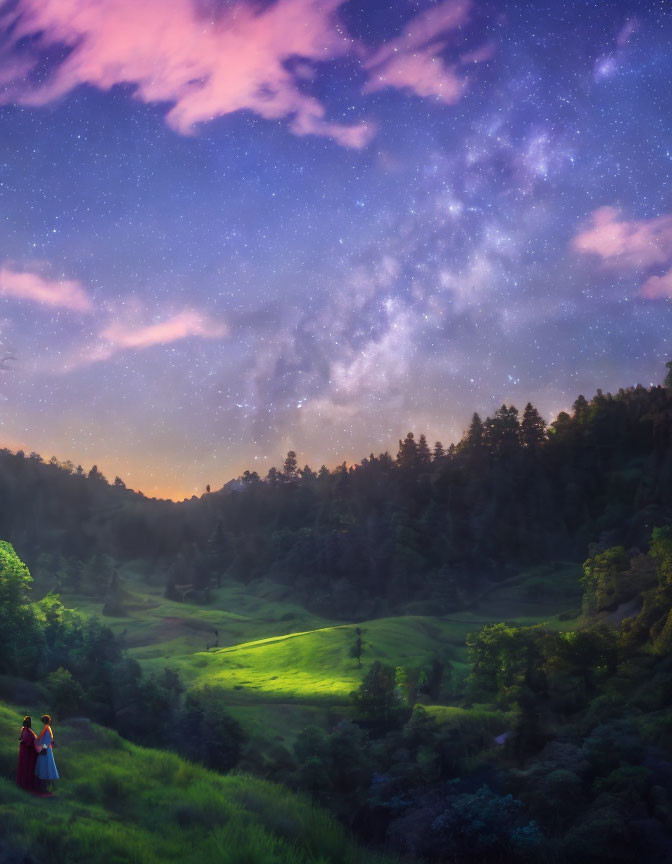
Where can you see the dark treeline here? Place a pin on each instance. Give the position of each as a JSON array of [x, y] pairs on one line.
[[429, 527]]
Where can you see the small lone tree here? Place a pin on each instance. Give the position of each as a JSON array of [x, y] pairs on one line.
[[357, 647]]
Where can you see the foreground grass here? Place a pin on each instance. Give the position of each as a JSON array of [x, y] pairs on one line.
[[118, 802]]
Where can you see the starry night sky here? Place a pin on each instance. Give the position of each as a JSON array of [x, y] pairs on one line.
[[231, 229]]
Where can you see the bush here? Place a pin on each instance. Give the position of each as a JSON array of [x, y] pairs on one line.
[[67, 695]]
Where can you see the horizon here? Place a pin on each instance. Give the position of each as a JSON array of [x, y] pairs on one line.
[[277, 463]]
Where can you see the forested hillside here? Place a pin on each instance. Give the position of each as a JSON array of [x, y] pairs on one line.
[[430, 527]]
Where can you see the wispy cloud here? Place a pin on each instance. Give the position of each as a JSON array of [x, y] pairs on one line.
[[630, 245], [414, 62], [626, 244], [46, 291], [208, 60], [180, 326], [658, 287], [206, 63], [120, 336]]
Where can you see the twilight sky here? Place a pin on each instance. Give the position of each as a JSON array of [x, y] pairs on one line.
[[228, 229]]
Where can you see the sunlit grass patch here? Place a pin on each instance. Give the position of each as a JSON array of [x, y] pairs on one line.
[[316, 666], [280, 667]]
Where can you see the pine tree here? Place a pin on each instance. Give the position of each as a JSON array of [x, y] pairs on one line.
[[95, 474], [424, 457], [580, 408], [439, 452], [408, 452], [475, 434], [502, 432], [290, 466], [533, 427]]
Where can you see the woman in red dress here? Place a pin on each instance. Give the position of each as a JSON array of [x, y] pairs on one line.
[[25, 771]]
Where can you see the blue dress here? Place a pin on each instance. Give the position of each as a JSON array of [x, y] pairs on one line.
[[45, 767]]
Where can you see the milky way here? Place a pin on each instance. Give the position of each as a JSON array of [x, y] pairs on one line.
[[231, 229]]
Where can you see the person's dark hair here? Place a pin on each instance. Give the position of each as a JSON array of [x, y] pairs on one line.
[[27, 721], [45, 718]]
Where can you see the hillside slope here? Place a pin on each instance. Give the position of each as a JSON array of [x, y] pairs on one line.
[[118, 802]]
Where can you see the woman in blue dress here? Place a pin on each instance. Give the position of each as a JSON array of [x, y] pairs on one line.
[[45, 766]]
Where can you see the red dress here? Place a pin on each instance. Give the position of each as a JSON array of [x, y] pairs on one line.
[[25, 771]]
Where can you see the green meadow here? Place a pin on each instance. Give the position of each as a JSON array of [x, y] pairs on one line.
[[281, 668], [118, 802]]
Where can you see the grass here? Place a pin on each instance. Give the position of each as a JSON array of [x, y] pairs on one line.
[[453, 716], [281, 668], [314, 666], [118, 802], [157, 627]]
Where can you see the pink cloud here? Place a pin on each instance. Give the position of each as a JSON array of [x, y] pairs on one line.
[[124, 334], [180, 326], [57, 293], [413, 60], [626, 244], [422, 72], [205, 64], [657, 287]]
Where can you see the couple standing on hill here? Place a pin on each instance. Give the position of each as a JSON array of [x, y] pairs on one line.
[[36, 759]]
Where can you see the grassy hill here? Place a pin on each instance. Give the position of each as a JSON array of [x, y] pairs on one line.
[[281, 668], [121, 803]]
